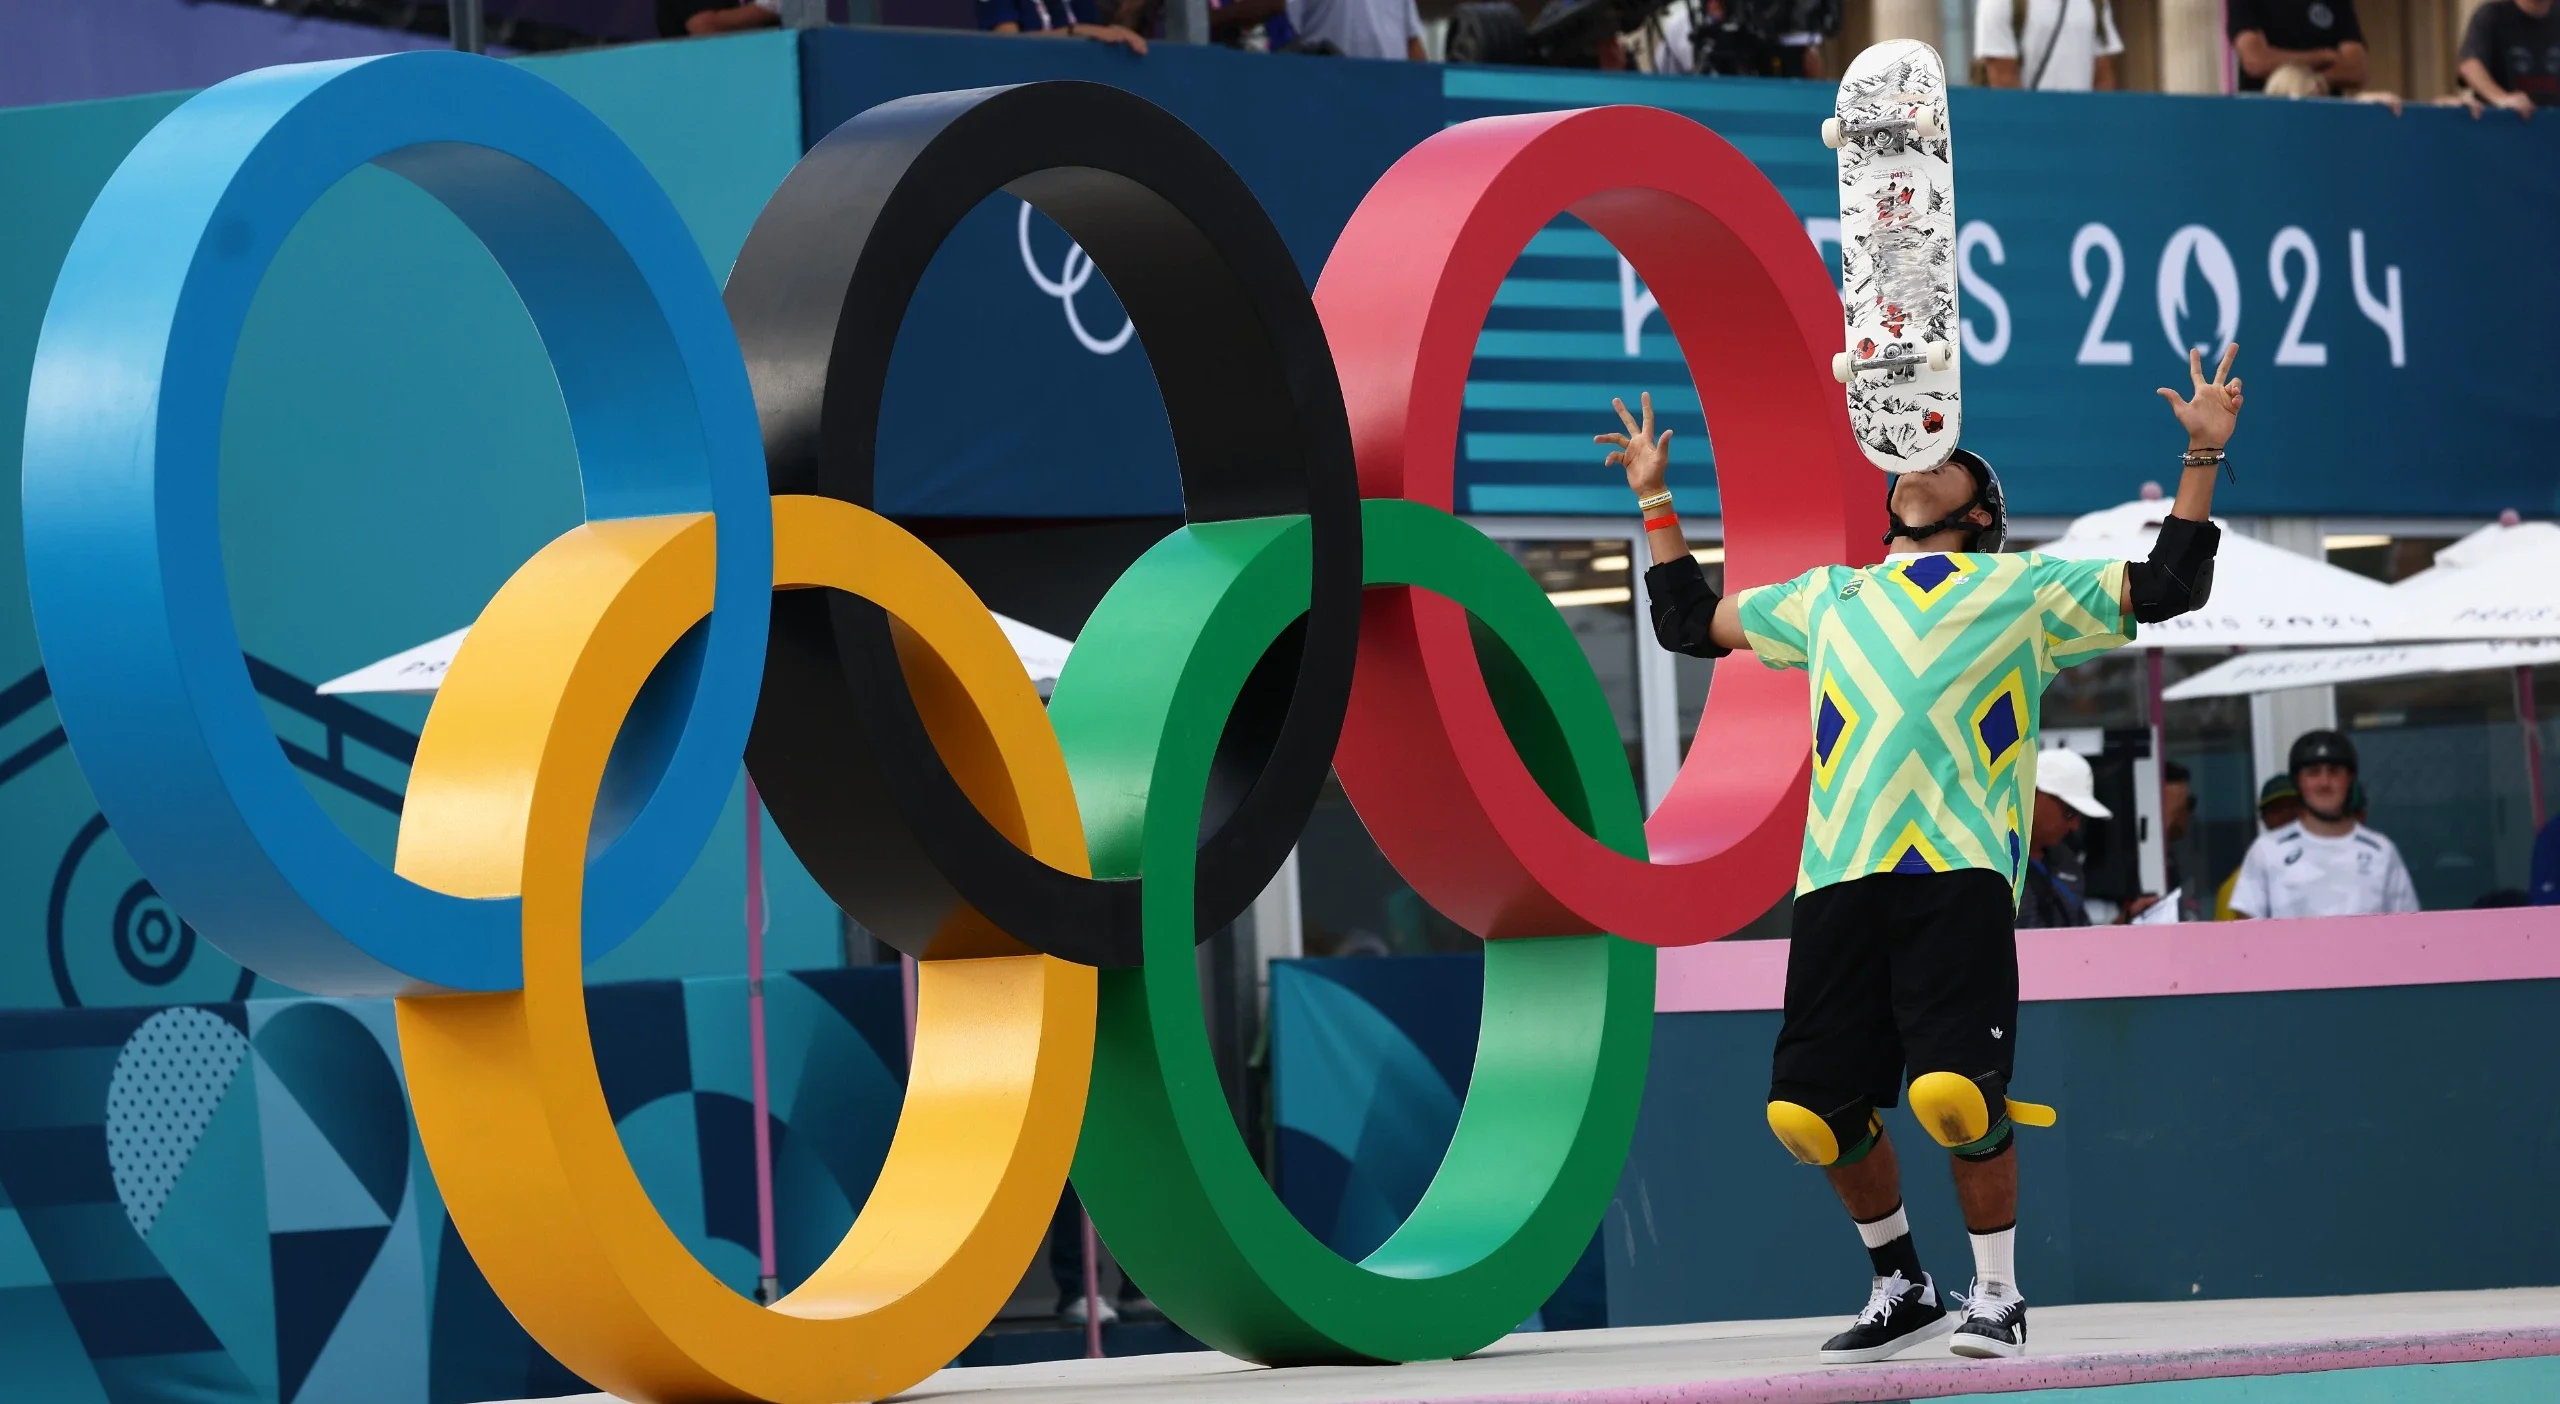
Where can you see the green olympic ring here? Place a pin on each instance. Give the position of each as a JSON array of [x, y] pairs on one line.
[[1568, 1020]]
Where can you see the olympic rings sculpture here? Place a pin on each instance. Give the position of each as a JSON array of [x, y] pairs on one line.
[[1051, 869]]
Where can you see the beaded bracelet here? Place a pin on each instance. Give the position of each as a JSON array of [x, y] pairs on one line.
[[2208, 458]]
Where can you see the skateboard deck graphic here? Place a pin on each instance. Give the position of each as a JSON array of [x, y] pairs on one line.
[[1898, 256]]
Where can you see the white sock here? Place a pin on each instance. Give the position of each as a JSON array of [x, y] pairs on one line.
[[1995, 1264], [1885, 1230]]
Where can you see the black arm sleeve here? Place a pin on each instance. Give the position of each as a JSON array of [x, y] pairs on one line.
[[2179, 575], [1684, 608]]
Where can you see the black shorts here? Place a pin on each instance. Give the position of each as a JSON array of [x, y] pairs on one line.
[[1896, 971]]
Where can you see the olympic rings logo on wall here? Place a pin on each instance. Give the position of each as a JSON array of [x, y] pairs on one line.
[[732, 593], [1074, 272]]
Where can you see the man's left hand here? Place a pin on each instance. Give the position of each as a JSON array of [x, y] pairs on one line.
[[2214, 410], [1122, 35]]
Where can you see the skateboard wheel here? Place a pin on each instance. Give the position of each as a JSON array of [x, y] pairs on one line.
[[1942, 354], [1842, 367], [1831, 132], [1928, 125]]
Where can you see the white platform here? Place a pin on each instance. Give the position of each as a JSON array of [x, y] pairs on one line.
[[1728, 1362]]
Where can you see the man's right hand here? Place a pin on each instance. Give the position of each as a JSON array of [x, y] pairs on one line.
[[2517, 103], [1646, 458]]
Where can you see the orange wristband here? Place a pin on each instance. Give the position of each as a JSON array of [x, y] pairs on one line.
[[1667, 519]]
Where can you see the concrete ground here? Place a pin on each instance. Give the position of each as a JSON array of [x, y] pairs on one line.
[[1722, 1362]]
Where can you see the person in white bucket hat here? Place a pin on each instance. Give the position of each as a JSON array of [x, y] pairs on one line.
[[2065, 793]]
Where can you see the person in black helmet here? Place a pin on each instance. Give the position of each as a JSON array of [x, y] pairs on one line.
[[1925, 671], [2326, 863]]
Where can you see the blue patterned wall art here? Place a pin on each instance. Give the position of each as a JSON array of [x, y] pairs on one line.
[[1370, 1059], [227, 1202]]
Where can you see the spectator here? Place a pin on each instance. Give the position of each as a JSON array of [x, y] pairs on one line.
[[1251, 24], [682, 17], [2177, 815], [1757, 38], [2051, 46], [1378, 29], [2294, 80], [1055, 19], [2511, 55], [2279, 804], [1118, 1298], [2177, 809], [2321, 35], [2065, 790], [2326, 863], [1800, 46]]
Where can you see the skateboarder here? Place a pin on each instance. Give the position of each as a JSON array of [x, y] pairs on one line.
[[1926, 670]]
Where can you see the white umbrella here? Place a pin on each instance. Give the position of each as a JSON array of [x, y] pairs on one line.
[[419, 671], [2263, 596], [2323, 667], [2450, 598], [2500, 582]]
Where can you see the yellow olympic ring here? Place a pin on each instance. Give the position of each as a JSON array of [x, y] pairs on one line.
[[508, 1100]]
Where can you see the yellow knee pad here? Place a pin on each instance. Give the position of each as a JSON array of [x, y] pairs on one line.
[[1952, 1109], [1803, 1133], [1812, 1140]]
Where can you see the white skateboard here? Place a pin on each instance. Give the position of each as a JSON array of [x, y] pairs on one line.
[[1898, 256]]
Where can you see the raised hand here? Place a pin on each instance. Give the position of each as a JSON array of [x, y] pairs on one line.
[[2214, 410], [1645, 457]]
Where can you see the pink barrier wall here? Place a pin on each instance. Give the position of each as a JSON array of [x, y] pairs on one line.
[[2243, 957]]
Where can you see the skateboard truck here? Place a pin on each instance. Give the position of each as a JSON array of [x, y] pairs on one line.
[[1923, 124], [1936, 355]]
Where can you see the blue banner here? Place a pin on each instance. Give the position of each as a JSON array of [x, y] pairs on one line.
[[2371, 266]]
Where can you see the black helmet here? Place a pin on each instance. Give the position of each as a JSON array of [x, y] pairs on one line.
[[1986, 495], [2319, 747]]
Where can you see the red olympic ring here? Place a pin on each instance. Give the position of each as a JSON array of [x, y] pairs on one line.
[[1423, 756]]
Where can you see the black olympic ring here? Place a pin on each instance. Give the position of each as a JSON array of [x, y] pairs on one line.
[[818, 293]]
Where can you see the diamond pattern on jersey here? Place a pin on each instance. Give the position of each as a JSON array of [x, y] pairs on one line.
[[1913, 853], [1927, 579], [2000, 724], [1926, 675], [1833, 807], [1965, 609], [1835, 728]]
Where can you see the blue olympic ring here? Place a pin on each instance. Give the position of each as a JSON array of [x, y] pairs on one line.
[[124, 561]]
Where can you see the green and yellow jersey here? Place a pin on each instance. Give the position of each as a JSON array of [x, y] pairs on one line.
[[1927, 671]]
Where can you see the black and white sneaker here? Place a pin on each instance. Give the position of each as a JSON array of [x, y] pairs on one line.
[[1900, 1313], [1992, 1326]]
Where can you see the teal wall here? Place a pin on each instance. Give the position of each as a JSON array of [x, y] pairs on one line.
[[394, 448], [2296, 1143], [2528, 1381]]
